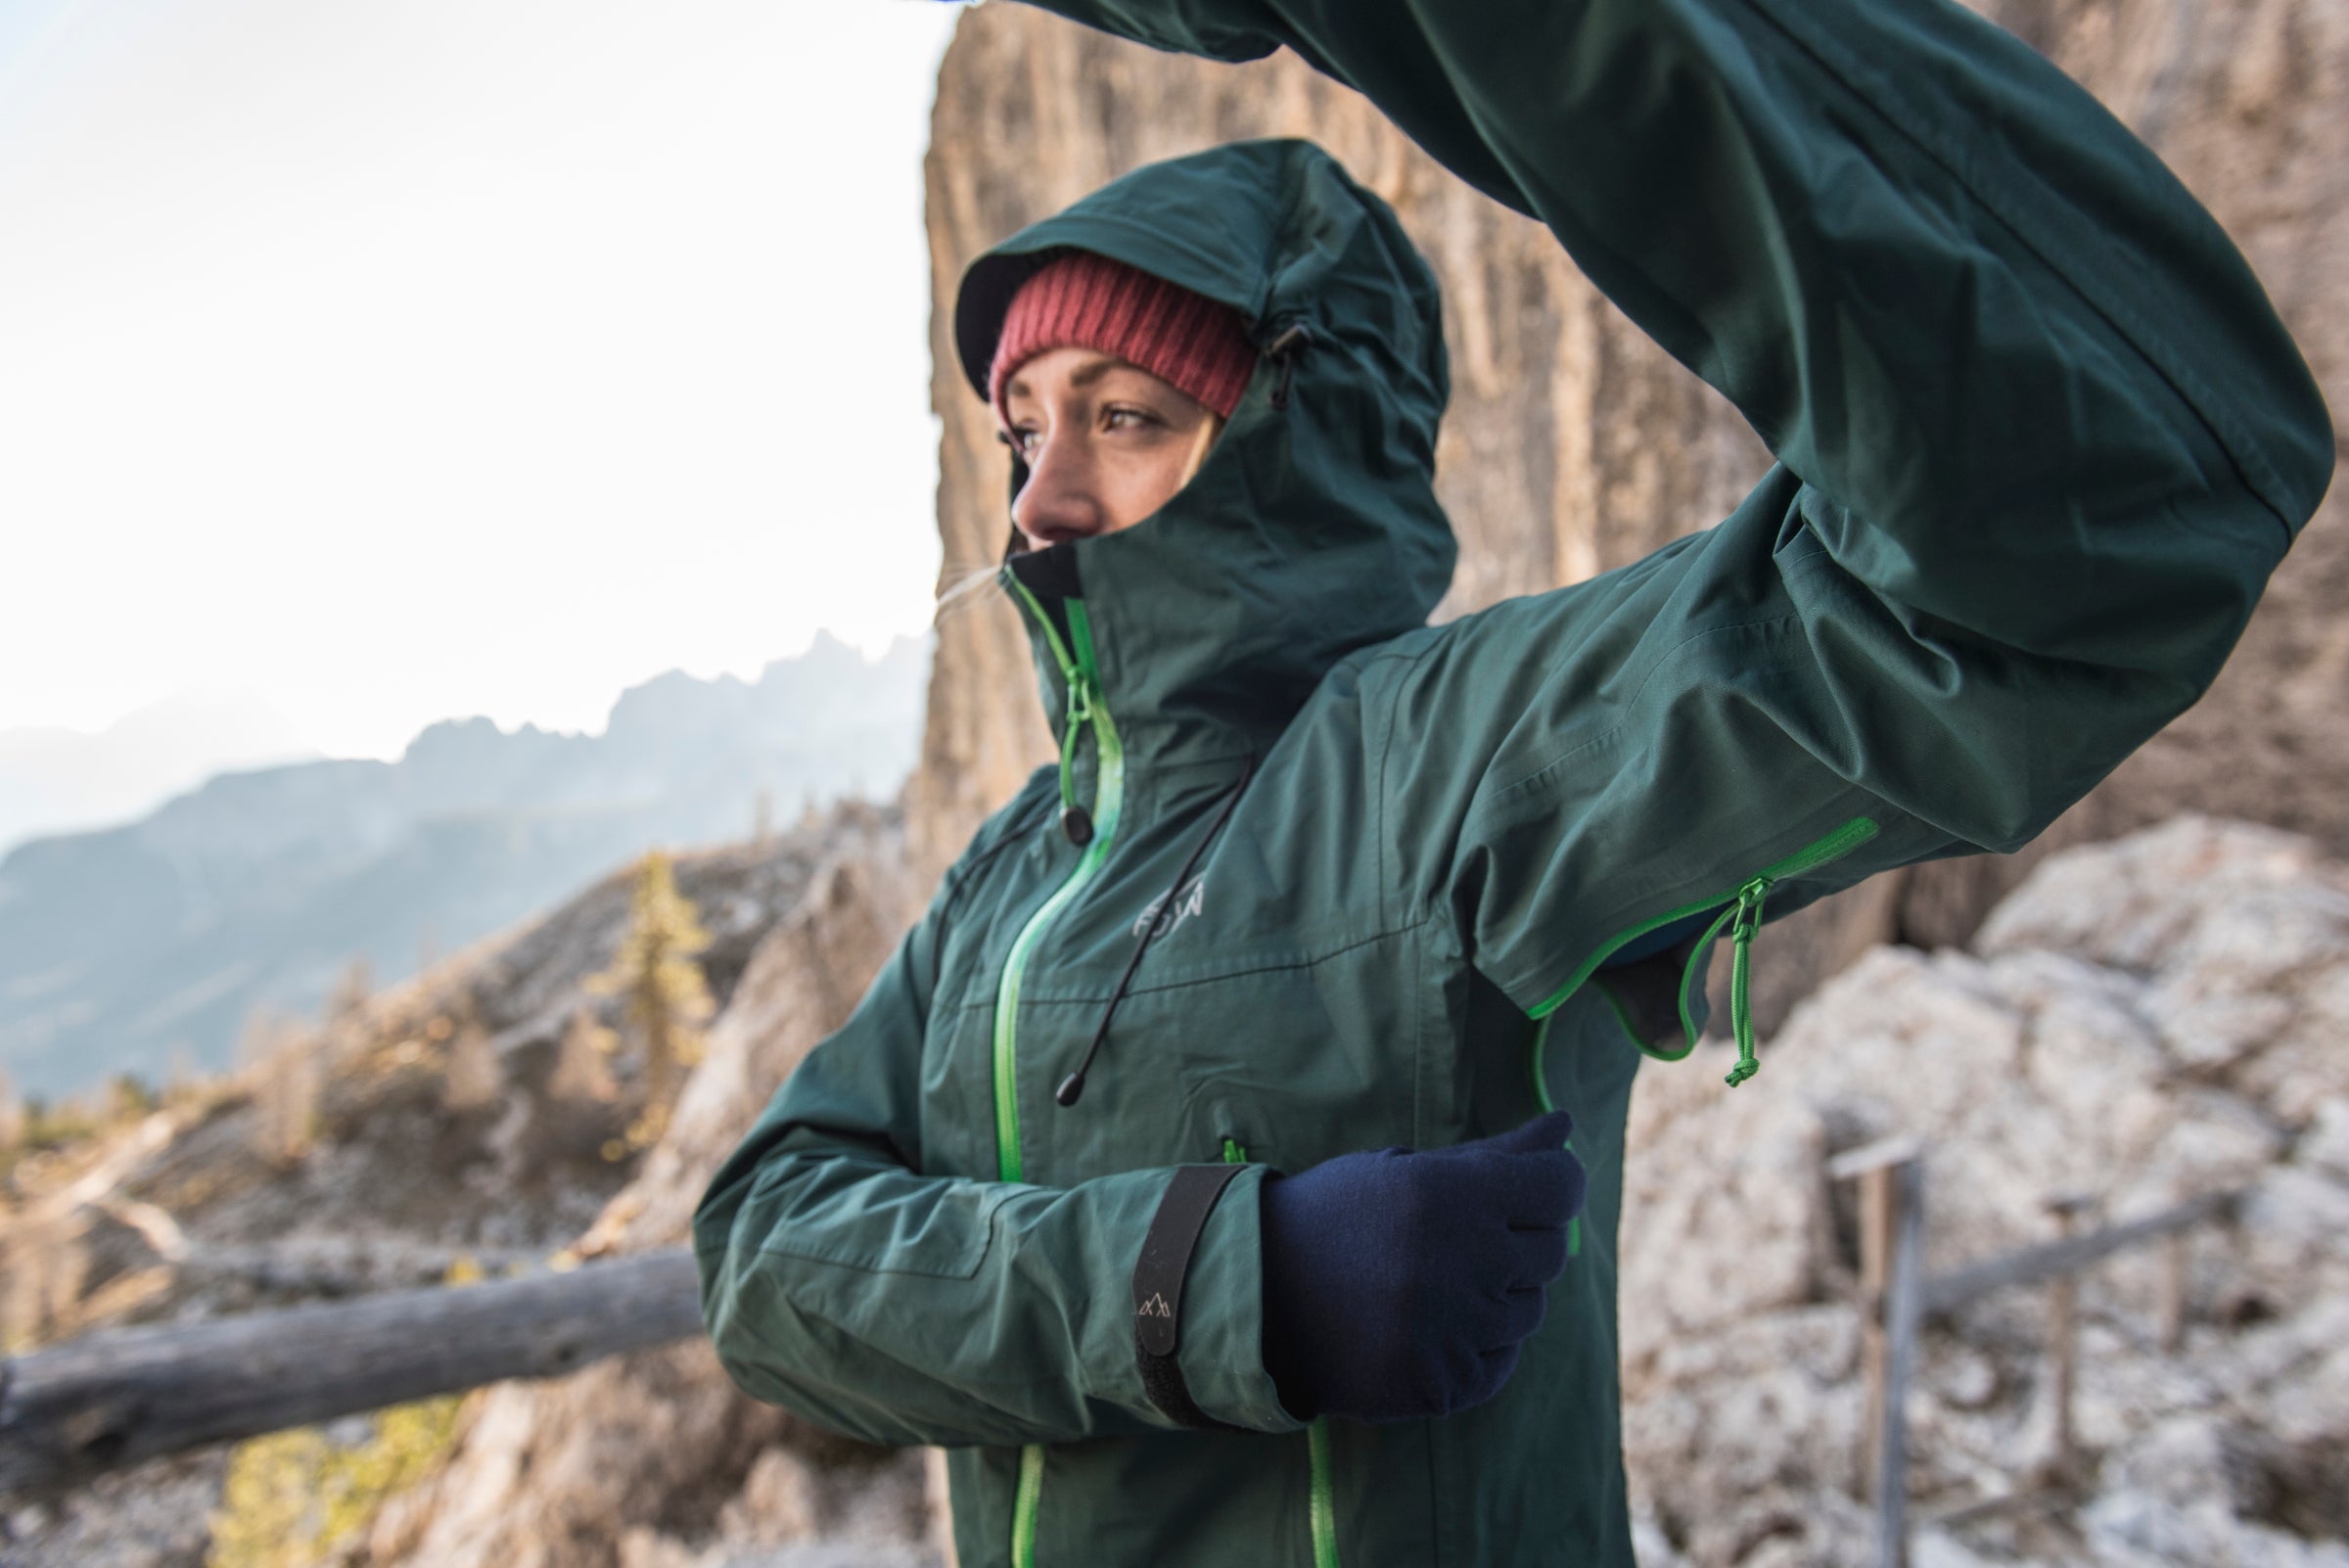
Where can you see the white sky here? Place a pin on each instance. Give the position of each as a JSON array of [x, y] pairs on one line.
[[404, 359]]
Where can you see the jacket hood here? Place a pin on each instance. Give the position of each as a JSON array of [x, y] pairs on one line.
[[1312, 528]]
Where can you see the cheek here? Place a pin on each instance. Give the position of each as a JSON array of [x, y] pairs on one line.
[[1148, 481]]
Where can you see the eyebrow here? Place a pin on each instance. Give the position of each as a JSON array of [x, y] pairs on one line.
[[1099, 368]]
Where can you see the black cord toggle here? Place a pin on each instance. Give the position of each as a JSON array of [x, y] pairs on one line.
[[1285, 348], [1072, 1086]]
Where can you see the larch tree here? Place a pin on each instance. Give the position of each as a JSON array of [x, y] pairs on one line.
[[663, 996]]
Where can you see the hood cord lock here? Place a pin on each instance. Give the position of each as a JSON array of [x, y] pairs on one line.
[[1284, 350], [1158, 915]]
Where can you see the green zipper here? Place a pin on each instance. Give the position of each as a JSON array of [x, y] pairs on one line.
[[1024, 1504], [1322, 1504], [1574, 1226], [1325, 1499], [1743, 906], [1079, 670]]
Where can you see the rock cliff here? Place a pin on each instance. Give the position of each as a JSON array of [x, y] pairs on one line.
[[1573, 444]]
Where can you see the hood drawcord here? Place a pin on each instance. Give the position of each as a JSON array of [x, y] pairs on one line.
[[1073, 1085]]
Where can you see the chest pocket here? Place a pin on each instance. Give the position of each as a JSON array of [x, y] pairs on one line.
[[1297, 1060]]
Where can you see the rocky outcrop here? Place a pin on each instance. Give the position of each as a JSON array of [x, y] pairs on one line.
[[653, 1460], [1573, 444], [397, 1181], [2139, 1022], [352, 1159]]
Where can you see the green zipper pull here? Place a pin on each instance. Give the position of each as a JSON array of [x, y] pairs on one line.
[[1075, 821], [1741, 944]]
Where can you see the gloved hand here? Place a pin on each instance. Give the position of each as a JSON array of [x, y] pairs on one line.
[[1400, 1284]]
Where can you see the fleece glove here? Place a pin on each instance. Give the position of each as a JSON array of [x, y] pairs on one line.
[[1400, 1284]]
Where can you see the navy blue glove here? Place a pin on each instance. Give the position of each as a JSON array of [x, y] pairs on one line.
[[1400, 1285]]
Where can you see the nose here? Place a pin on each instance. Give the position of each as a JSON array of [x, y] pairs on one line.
[[1062, 499]]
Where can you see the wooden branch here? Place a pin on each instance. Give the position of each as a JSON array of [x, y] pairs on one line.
[[98, 1403], [1851, 1164], [1946, 1293]]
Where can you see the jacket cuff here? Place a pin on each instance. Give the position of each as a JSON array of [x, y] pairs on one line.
[[1221, 1348]]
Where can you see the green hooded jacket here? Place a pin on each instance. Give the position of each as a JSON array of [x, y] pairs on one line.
[[2041, 441]]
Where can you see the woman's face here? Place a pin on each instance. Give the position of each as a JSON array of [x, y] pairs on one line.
[[1106, 444]]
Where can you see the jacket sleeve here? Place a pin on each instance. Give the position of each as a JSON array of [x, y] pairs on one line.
[[2039, 438], [840, 1280]]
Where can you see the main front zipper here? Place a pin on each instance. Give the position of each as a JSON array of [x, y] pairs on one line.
[[1082, 704]]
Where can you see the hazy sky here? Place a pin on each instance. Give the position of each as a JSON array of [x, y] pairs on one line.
[[409, 360]]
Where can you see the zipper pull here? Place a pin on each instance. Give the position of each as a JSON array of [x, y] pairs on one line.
[[1075, 821], [1741, 963]]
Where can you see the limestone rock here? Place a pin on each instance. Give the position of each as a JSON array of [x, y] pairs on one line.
[[2041, 1062]]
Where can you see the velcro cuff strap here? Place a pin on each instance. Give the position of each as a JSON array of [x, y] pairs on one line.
[[1190, 1197]]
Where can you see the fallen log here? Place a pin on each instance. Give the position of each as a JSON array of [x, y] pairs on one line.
[[98, 1403]]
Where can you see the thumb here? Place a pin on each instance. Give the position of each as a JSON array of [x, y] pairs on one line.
[[1544, 1134]]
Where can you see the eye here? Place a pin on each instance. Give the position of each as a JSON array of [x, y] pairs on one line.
[[1021, 438], [1124, 416]]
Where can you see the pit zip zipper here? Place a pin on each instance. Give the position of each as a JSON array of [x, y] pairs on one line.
[[1574, 1226], [1321, 1497], [1082, 673], [1742, 906]]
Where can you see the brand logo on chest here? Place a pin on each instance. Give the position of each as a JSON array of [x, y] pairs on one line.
[[1162, 914]]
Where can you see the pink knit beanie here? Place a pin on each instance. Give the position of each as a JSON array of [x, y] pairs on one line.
[[1086, 300]]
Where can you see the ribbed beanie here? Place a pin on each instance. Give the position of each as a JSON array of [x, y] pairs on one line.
[[1084, 300]]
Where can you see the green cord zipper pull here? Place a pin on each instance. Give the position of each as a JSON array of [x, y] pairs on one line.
[[1075, 821], [1741, 944]]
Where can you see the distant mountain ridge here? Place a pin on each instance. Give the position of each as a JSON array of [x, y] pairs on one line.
[[56, 780], [122, 948]]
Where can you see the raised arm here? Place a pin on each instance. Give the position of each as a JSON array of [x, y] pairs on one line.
[[1855, 218], [2041, 441]]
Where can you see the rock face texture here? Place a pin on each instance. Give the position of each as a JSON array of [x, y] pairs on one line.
[[2141, 1022], [1573, 444], [623, 1462], [196, 1210]]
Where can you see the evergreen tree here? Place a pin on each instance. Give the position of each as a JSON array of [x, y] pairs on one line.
[[663, 996]]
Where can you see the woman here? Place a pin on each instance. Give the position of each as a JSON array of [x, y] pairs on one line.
[[1105, 1184]]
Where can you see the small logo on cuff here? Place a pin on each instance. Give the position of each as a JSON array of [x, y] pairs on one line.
[[1155, 1307]]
